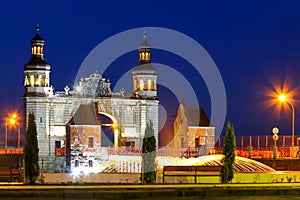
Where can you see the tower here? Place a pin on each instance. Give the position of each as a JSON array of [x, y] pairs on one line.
[[145, 75], [37, 70], [37, 92]]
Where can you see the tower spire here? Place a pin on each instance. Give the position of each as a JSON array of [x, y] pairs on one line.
[[37, 29], [145, 35], [144, 50], [144, 75], [37, 70]]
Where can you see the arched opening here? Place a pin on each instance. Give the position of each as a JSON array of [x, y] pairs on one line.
[[134, 85], [32, 80], [47, 81], [143, 56], [110, 129], [141, 84], [149, 85], [40, 80], [26, 81]]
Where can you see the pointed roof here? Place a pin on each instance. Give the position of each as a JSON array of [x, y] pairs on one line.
[[195, 116], [37, 61], [86, 114], [37, 36], [144, 67], [144, 45]]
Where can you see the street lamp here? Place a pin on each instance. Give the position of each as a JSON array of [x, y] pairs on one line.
[[283, 98], [12, 121]]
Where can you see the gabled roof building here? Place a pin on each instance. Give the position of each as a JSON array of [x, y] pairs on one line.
[[192, 128]]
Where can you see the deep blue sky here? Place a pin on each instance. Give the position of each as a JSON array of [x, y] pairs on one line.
[[252, 42]]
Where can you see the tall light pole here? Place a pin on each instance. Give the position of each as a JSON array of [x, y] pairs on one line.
[[6, 135], [12, 120], [283, 98], [19, 136]]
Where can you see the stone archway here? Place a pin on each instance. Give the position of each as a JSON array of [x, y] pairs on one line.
[[114, 125]]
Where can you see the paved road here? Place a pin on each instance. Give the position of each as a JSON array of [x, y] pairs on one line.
[[153, 192]]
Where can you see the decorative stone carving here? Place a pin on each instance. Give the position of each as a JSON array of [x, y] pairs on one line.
[[94, 86], [67, 89]]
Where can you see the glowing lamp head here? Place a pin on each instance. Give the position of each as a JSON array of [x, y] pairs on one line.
[[12, 121], [14, 116], [282, 98]]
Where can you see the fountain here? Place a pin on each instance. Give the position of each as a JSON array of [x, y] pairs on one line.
[[132, 164], [241, 164]]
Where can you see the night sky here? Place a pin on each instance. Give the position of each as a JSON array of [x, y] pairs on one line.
[[255, 45]]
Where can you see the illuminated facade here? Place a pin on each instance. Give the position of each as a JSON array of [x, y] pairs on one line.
[[62, 117], [192, 128]]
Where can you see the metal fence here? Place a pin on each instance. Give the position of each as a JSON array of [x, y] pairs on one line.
[[258, 142], [263, 146], [11, 151]]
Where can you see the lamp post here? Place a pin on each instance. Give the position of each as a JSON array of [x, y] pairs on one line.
[[19, 136], [6, 135], [283, 98], [12, 121]]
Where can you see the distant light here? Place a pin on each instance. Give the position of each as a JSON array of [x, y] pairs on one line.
[[75, 172], [275, 130], [12, 121], [282, 97]]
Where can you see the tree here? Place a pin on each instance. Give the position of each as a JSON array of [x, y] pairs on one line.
[[149, 155], [31, 151], [227, 171]]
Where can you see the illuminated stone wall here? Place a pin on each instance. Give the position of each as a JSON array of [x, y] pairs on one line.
[[186, 135], [54, 112]]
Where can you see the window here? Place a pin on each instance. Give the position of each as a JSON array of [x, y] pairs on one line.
[[40, 80], [149, 85], [47, 81], [26, 81], [91, 142], [134, 85], [76, 163], [141, 84], [196, 142], [57, 144], [90, 163], [143, 56], [41, 119], [32, 80]]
